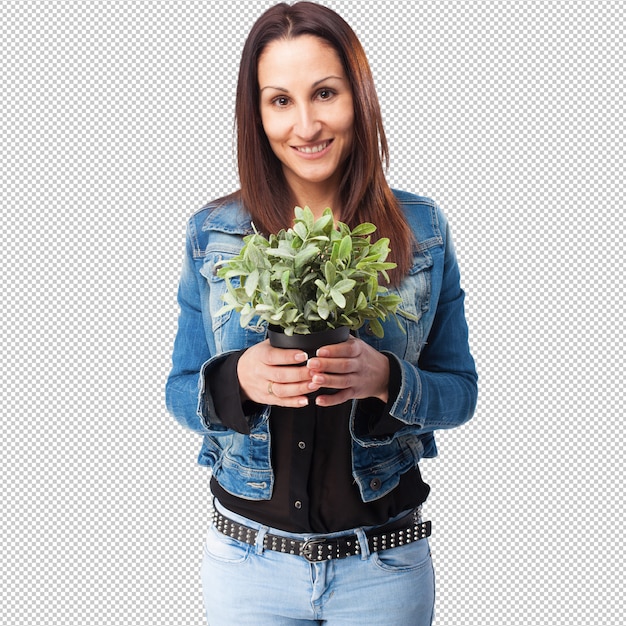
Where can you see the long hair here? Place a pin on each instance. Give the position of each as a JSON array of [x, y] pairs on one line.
[[364, 191]]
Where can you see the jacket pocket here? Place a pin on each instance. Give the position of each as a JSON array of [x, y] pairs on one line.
[[415, 290], [217, 287], [226, 327]]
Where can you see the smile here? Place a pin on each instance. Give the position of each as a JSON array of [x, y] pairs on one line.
[[313, 149]]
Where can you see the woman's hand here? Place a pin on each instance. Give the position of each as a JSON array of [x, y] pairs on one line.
[[266, 378], [354, 367]]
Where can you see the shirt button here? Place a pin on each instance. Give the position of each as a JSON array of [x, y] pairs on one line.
[[298, 504], [301, 445], [368, 330], [375, 484]]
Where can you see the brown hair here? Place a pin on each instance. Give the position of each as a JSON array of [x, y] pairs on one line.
[[364, 191]]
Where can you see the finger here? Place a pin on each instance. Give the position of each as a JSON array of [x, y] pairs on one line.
[[334, 399], [289, 394], [293, 402], [346, 349], [332, 381], [340, 358], [334, 366], [287, 374], [282, 356]]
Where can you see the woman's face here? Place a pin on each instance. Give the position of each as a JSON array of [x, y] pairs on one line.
[[307, 111]]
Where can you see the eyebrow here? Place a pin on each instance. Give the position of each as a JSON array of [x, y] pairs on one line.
[[315, 84]]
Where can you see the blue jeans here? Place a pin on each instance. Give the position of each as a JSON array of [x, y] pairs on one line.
[[246, 585]]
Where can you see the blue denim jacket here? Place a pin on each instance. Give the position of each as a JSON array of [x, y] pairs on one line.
[[438, 377]]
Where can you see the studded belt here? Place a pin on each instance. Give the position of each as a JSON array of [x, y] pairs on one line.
[[407, 529]]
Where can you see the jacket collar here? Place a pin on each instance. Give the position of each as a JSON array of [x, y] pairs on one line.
[[228, 216]]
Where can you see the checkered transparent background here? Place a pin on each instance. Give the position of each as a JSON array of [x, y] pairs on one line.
[[117, 124]]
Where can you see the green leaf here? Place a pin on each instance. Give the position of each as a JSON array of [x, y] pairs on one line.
[[301, 230], [367, 228], [323, 224], [300, 329], [251, 283], [377, 328], [320, 238], [330, 272], [338, 298], [372, 288], [321, 285], [304, 256], [408, 315], [361, 302], [376, 266], [345, 285], [345, 248], [232, 272], [306, 215], [381, 248], [291, 316], [280, 252], [246, 316], [342, 230], [253, 254], [264, 281], [310, 311], [322, 308]]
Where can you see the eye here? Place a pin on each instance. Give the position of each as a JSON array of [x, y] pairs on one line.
[[325, 94], [280, 101]]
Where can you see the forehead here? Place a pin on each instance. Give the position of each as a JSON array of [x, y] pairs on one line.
[[301, 57]]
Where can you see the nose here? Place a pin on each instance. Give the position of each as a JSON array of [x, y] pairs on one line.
[[307, 126]]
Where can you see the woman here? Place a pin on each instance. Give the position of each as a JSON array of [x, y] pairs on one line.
[[317, 504]]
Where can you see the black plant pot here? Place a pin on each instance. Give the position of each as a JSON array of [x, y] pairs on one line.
[[309, 343]]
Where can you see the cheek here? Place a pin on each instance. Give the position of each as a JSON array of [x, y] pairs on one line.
[[273, 128], [347, 125]]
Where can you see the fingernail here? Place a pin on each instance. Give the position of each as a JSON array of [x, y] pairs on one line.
[[322, 352], [301, 356], [303, 402]]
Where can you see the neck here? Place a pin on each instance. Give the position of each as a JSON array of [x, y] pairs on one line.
[[317, 202], [317, 197]]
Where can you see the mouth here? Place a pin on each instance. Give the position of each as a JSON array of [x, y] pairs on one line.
[[317, 148]]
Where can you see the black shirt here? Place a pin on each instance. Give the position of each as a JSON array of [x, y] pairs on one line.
[[314, 490]]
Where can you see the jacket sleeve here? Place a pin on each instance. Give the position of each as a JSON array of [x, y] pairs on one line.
[[190, 351], [441, 391]]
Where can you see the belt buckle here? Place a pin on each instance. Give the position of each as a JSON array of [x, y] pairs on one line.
[[311, 545]]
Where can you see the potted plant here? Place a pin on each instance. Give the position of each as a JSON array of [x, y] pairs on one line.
[[315, 277]]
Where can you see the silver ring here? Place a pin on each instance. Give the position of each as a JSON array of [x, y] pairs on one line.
[[269, 388]]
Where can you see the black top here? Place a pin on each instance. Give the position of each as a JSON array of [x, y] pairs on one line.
[[312, 461]]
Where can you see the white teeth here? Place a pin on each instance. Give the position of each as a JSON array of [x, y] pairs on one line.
[[313, 149]]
